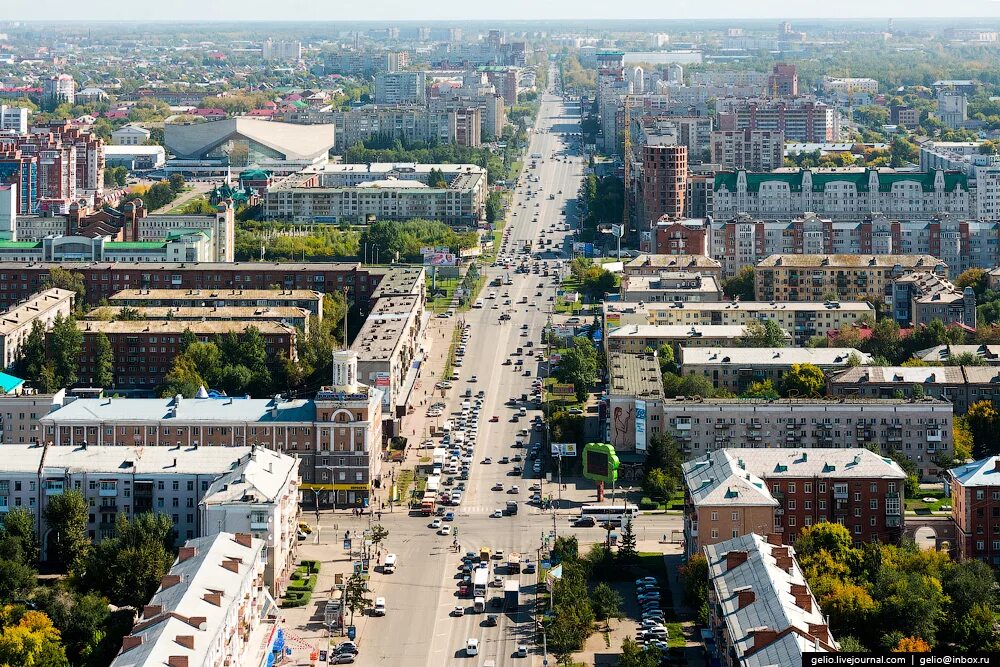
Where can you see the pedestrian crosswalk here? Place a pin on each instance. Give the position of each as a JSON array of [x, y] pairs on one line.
[[477, 510]]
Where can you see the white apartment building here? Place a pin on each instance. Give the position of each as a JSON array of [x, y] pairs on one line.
[[16, 323], [130, 135], [259, 496], [211, 609], [14, 119], [400, 88]]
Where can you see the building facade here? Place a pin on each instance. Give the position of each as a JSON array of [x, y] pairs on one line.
[[960, 385], [737, 368], [753, 150], [16, 323], [670, 287], [975, 508]]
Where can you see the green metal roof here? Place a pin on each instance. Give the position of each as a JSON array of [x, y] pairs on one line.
[[860, 179], [19, 244], [187, 231], [134, 245]]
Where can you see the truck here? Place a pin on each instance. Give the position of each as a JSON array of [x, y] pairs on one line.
[[513, 563], [485, 555], [511, 508], [428, 503], [480, 579], [511, 594]]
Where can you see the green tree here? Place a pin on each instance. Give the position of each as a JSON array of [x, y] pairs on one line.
[[579, 367], [658, 485], [28, 639], [849, 607], [356, 597], [176, 183], [104, 361], [66, 347], [386, 237], [834, 538], [182, 379], [763, 334], [187, 338], [884, 340], [636, 655], [627, 552], [665, 354], [982, 419], [84, 623], [690, 385], [975, 630], [762, 389], [962, 437], [18, 541], [975, 278], [910, 602], [33, 357], [804, 380], [606, 602], [127, 567], [740, 286], [694, 581], [663, 453], [66, 516], [67, 280], [379, 534], [566, 548]]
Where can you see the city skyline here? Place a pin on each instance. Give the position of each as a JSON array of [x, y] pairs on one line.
[[396, 10]]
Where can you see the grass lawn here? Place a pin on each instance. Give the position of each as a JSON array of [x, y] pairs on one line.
[[675, 635], [403, 482], [439, 304], [652, 562], [938, 503]]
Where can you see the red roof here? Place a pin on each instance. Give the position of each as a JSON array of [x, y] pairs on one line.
[[265, 113], [208, 113]]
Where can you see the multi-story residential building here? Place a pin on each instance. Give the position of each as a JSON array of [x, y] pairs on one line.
[[211, 609], [733, 492], [635, 405], [919, 298], [975, 509], [144, 351], [293, 317], [181, 247], [387, 345], [961, 244], [736, 369], [259, 496], [407, 122], [753, 150], [801, 320], [692, 132], [21, 171], [941, 354], [16, 323], [819, 277], [14, 119], [904, 115], [643, 338], [309, 300], [482, 96], [849, 193], [761, 609], [18, 281], [850, 86], [383, 191], [676, 236], [8, 211], [651, 265], [282, 51], [611, 86], [671, 286], [956, 156], [798, 120], [400, 88], [20, 413], [59, 89], [960, 385], [783, 80], [661, 182], [504, 81], [921, 430], [953, 109]]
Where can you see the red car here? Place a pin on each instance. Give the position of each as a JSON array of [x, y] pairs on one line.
[[494, 418]]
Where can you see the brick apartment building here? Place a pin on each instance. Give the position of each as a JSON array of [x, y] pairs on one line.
[[144, 351], [680, 236], [975, 508], [663, 182], [733, 492]]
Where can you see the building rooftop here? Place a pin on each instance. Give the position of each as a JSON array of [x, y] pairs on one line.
[[635, 375], [672, 281], [257, 478], [942, 353], [219, 564], [138, 460], [748, 306], [984, 472], [680, 331], [720, 481], [290, 140], [207, 312], [155, 410], [689, 262], [852, 261], [232, 294], [33, 307], [278, 268], [399, 280], [863, 179], [383, 330], [168, 327], [761, 589], [931, 288], [827, 403], [771, 356], [923, 375]]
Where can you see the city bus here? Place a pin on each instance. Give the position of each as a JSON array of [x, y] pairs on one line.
[[613, 514]]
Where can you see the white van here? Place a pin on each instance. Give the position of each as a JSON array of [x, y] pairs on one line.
[[390, 564], [379, 608], [479, 604]]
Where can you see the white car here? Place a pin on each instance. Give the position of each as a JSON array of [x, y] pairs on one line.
[[472, 646], [379, 608], [436, 523], [444, 530], [497, 514]]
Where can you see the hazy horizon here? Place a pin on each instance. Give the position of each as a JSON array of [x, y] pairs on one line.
[[513, 10]]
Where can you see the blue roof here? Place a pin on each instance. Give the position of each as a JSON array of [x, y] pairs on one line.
[[983, 472], [9, 383]]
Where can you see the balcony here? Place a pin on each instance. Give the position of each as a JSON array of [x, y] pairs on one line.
[[108, 507], [683, 426], [840, 495], [108, 492], [258, 525], [893, 521], [933, 435], [721, 425], [54, 489]]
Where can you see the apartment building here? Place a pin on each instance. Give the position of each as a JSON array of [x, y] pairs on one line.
[[801, 120], [211, 608], [20, 414], [850, 86], [670, 287], [960, 385], [643, 338], [410, 123], [961, 244], [753, 150], [14, 119], [8, 211], [919, 298], [651, 265], [848, 193], [144, 351], [783, 81], [819, 277], [801, 320], [400, 88], [259, 496], [386, 191], [387, 345], [734, 492], [310, 301], [920, 429], [735, 369], [761, 609], [975, 509], [676, 236], [102, 280], [17, 322], [661, 181], [297, 318], [635, 406], [941, 354]]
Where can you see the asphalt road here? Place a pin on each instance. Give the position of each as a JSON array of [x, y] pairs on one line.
[[418, 629]]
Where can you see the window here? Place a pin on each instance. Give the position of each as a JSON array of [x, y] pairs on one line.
[[736, 516], [807, 504], [809, 521], [791, 487], [791, 522], [873, 504], [736, 533], [822, 504], [857, 529], [807, 487], [715, 516], [715, 533]]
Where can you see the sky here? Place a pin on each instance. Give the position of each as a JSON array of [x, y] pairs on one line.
[[416, 10]]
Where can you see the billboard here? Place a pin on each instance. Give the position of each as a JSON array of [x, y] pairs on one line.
[[640, 426], [613, 320], [563, 449], [600, 462], [440, 259], [383, 382], [563, 390]]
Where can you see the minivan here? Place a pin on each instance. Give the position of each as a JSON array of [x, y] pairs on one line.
[[379, 608], [390, 564]]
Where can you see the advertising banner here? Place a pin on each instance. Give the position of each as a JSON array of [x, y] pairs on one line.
[[640, 426]]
